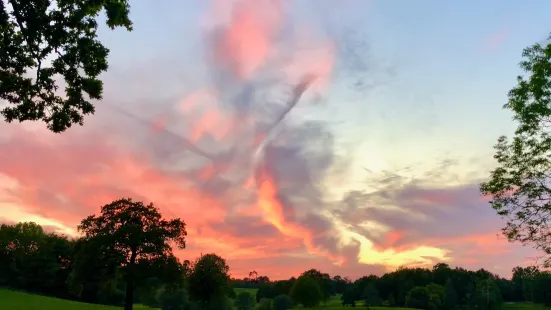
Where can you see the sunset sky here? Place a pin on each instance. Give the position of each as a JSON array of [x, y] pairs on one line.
[[376, 166]]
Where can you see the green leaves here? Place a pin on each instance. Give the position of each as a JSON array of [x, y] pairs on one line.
[[519, 187], [42, 41]]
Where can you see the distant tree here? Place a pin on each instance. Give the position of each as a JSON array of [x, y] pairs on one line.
[[209, 281], [540, 289], [244, 301], [34, 260], [450, 301], [340, 284], [370, 296], [282, 302], [487, 295], [265, 290], [418, 297], [135, 235], [519, 188], [324, 281], [437, 295], [253, 275], [306, 292], [348, 298], [523, 278], [46, 39], [441, 273]]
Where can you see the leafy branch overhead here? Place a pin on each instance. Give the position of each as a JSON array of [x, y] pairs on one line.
[[44, 41], [520, 186]]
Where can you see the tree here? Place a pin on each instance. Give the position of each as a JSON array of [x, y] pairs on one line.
[[135, 235], [487, 295], [282, 302], [540, 289], [324, 281], [244, 301], [348, 298], [306, 292], [418, 297], [33, 260], [519, 187], [371, 296], [437, 295], [49, 39], [209, 280], [450, 299]]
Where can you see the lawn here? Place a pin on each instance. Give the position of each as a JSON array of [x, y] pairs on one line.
[[22, 301], [523, 306]]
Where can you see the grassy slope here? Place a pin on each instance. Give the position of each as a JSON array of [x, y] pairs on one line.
[[22, 301]]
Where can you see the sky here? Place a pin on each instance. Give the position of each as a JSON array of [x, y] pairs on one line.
[[291, 135]]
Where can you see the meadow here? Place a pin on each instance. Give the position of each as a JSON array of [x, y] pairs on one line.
[[13, 300]]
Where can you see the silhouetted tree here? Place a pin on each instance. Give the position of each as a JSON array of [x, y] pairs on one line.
[[450, 301], [45, 39], [370, 295], [349, 297], [209, 280], [324, 281], [418, 297], [519, 186], [135, 235], [306, 292]]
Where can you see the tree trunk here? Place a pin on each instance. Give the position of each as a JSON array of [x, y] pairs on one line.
[[129, 296]]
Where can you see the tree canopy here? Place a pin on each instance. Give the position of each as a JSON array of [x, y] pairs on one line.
[[306, 292], [134, 235], [519, 187], [44, 41], [208, 282]]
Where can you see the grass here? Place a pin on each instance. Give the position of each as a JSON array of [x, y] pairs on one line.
[[23, 301], [523, 306]]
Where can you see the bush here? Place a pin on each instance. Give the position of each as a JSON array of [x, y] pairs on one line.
[[265, 304], [173, 300], [244, 301]]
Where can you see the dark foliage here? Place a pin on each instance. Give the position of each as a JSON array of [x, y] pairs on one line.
[[65, 32]]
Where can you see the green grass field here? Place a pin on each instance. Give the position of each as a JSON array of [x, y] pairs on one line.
[[523, 306], [11, 300], [22, 301]]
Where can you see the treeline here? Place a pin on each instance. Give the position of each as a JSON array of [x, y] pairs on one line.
[[124, 256], [441, 287]]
